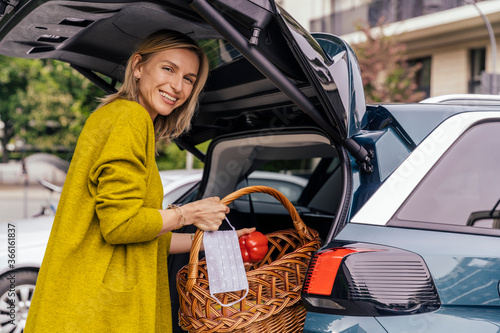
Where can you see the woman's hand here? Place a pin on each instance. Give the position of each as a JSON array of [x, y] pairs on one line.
[[245, 231], [206, 214]]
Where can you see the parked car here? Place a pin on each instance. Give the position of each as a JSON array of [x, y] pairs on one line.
[[405, 197], [31, 236], [465, 99], [179, 183]]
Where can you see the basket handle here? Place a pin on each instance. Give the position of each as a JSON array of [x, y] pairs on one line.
[[195, 248]]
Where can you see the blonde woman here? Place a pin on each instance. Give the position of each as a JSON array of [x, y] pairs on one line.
[[105, 266]]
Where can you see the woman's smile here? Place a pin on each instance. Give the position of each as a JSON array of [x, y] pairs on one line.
[[169, 98]]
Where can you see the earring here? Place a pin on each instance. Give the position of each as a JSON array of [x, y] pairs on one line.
[[136, 79]]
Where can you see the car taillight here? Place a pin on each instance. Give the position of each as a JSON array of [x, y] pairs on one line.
[[365, 279]]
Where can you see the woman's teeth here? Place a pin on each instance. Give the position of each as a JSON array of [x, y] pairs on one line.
[[167, 96]]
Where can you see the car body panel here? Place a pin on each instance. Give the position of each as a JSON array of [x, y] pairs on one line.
[[31, 239], [465, 269], [328, 62], [393, 192], [324, 323], [446, 319], [418, 120], [460, 264], [177, 182], [463, 260], [443, 320]]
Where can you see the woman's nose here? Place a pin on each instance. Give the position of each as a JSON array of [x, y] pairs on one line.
[[177, 83]]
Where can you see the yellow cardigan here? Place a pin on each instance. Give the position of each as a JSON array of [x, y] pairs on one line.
[[104, 269]]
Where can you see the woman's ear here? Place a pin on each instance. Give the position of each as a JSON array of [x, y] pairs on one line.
[[136, 66]]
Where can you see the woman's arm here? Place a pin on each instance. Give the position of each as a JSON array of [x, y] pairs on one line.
[[119, 178], [181, 243]]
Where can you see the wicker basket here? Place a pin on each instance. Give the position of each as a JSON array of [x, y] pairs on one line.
[[273, 302]]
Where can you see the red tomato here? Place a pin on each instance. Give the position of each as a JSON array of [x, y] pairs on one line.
[[253, 246]]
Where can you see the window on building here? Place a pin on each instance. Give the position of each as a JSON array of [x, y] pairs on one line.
[[408, 9], [423, 75], [477, 66], [380, 9]]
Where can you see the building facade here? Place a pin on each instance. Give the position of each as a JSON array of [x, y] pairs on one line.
[[451, 38]]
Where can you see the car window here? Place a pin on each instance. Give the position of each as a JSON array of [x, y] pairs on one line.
[[290, 190], [289, 177], [465, 181], [219, 52]]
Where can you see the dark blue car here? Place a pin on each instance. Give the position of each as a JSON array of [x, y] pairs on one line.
[[405, 197], [421, 253]]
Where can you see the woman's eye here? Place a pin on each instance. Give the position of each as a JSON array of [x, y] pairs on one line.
[[190, 80], [168, 69]]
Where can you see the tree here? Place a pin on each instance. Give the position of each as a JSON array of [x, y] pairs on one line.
[[47, 103], [172, 157], [386, 74], [14, 78]]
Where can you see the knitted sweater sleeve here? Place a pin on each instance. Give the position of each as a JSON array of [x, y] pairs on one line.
[[121, 174]]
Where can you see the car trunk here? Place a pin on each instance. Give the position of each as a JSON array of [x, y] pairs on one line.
[[301, 151], [282, 62]]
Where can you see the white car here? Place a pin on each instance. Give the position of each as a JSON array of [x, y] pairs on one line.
[[31, 236]]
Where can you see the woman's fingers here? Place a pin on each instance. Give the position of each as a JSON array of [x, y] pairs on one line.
[[245, 231], [207, 214], [221, 206]]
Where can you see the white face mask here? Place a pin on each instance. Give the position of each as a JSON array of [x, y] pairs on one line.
[[226, 271]]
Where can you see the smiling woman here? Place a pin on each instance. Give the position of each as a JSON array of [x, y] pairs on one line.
[[153, 73], [105, 265], [166, 80]]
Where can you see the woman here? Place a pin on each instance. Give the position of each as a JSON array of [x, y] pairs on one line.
[[105, 266]]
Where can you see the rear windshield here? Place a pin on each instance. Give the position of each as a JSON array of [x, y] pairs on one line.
[[219, 52]]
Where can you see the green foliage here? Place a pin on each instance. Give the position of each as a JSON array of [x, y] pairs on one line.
[[172, 157], [386, 74], [13, 80], [45, 103]]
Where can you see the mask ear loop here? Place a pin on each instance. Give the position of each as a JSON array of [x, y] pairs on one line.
[[229, 224], [237, 301], [247, 289]]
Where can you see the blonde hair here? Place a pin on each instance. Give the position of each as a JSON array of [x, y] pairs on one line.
[[179, 121]]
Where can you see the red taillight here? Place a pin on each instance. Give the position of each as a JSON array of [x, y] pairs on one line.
[[363, 279], [323, 270]]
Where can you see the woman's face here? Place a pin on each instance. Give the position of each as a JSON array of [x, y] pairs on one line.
[[166, 80]]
